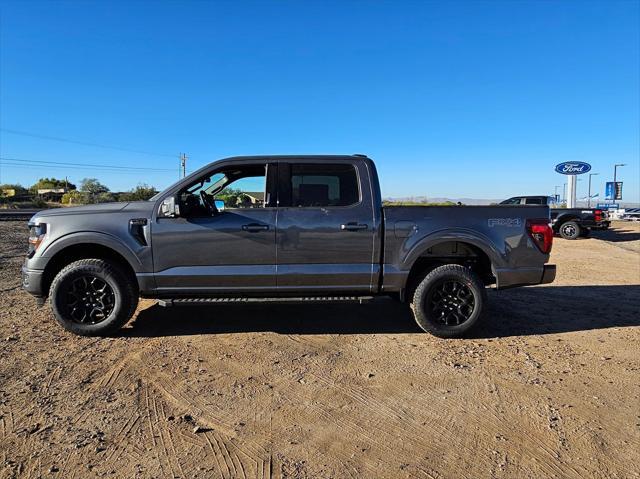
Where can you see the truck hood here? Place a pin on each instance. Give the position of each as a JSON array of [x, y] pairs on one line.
[[139, 207]]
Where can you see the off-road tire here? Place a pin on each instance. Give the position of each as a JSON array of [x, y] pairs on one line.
[[123, 303], [436, 278], [570, 230]]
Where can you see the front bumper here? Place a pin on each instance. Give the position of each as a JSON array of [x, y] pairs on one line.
[[32, 281]]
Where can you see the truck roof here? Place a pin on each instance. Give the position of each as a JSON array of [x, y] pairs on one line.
[[300, 157], [532, 196]]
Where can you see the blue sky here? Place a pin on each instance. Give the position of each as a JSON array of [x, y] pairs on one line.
[[457, 99]]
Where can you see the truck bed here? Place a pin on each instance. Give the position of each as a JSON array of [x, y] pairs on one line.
[[497, 232]]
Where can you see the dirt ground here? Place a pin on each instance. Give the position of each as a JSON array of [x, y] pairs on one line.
[[549, 386]]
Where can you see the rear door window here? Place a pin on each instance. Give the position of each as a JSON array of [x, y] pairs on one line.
[[534, 201], [511, 201], [322, 185]]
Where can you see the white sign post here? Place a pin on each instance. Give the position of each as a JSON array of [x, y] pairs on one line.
[[571, 191]]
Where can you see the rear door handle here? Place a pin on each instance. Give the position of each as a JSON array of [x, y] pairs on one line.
[[254, 227], [353, 226]]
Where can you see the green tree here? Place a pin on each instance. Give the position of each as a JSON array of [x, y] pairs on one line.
[[93, 190], [142, 192], [92, 187], [231, 197], [104, 197], [51, 183]]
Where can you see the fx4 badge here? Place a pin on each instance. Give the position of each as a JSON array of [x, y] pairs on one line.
[[508, 222]]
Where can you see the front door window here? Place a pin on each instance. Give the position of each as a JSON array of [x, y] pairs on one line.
[[241, 187]]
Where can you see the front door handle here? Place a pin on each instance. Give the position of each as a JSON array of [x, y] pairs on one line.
[[254, 227], [353, 226]]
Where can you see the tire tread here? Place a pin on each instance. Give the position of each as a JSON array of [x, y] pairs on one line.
[[128, 289], [422, 289]]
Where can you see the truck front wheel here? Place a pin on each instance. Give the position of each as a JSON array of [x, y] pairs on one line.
[[93, 297], [448, 301]]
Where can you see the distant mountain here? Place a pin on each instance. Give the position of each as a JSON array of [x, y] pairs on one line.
[[429, 199]]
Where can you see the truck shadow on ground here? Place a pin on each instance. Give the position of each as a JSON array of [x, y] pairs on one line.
[[616, 234], [517, 312]]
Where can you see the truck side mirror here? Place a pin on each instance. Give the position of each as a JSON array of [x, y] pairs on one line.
[[169, 208], [219, 205]]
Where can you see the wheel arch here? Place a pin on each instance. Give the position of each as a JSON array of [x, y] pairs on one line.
[[67, 254], [471, 252], [563, 219]]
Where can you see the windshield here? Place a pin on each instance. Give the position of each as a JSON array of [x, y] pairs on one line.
[[210, 184]]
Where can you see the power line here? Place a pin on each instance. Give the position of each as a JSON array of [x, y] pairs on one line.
[[85, 143], [22, 166], [88, 165]]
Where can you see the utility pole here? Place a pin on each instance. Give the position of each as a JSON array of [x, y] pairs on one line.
[[615, 168], [555, 193], [183, 164], [589, 194]]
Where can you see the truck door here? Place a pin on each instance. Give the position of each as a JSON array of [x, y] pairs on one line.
[[228, 251], [326, 228]]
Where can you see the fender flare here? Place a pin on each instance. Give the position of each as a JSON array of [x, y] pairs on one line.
[[97, 238], [460, 235]]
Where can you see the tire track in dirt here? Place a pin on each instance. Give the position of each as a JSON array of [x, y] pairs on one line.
[[246, 460], [436, 425], [385, 442], [6, 424]]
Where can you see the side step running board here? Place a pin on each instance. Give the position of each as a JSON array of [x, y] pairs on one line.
[[311, 299]]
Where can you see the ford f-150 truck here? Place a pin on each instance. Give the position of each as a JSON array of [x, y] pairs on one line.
[[284, 227], [570, 223]]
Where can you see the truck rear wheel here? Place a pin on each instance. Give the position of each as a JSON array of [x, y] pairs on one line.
[[93, 297], [570, 230], [449, 301]]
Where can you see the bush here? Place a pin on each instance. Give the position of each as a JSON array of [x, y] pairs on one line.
[[18, 189], [74, 197], [142, 192]]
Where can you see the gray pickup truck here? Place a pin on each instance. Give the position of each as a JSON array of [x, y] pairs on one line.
[[286, 228]]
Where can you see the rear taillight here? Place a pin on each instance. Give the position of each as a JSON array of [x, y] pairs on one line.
[[598, 215], [541, 233]]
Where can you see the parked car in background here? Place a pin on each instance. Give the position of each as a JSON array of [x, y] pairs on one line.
[[318, 232], [630, 214], [570, 223]]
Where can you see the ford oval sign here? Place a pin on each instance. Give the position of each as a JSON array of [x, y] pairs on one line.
[[573, 168]]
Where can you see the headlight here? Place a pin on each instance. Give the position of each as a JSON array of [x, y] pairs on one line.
[[37, 234]]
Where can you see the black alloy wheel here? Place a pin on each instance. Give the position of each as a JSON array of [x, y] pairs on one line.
[[570, 230], [90, 300], [451, 302], [93, 297]]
